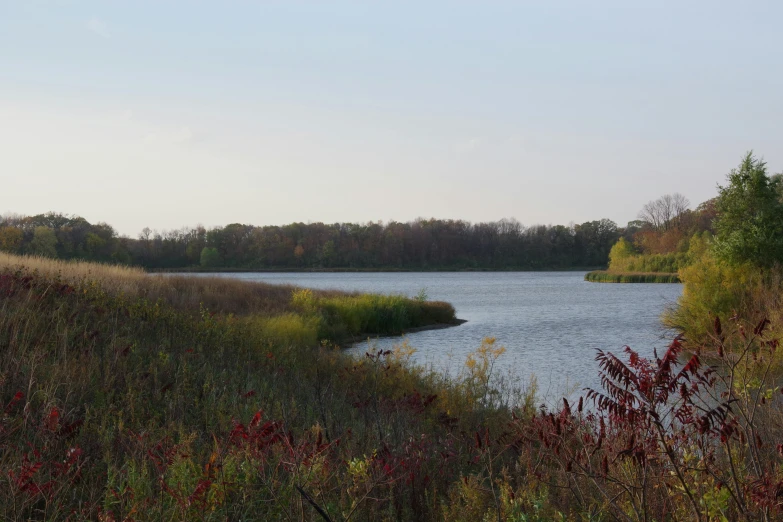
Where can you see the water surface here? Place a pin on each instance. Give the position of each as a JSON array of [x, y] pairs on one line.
[[551, 323]]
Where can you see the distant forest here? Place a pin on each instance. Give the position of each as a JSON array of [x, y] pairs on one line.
[[418, 245]]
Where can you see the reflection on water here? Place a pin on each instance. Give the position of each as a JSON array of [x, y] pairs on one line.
[[550, 322]]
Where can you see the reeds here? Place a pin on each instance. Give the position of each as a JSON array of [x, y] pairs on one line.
[[374, 313], [604, 276]]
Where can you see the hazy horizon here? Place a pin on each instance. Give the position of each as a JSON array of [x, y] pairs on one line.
[[170, 115]]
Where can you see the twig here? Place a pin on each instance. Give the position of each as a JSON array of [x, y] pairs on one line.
[[310, 500]]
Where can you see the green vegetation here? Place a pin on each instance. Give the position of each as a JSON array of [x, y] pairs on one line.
[[736, 273], [750, 216], [660, 243], [622, 258], [604, 276], [420, 245]]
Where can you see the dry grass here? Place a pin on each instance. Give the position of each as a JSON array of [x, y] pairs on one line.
[[113, 277], [192, 294], [216, 294]]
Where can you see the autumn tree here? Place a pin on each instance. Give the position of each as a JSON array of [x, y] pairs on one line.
[[10, 239], [664, 212]]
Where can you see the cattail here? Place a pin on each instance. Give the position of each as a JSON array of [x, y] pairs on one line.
[[579, 407]]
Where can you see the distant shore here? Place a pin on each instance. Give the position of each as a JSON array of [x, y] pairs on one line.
[[437, 326], [200, 270]]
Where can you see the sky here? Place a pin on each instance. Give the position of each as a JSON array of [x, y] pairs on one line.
[[166, 114]]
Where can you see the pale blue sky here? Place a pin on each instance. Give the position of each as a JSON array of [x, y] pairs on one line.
[[166, 113]]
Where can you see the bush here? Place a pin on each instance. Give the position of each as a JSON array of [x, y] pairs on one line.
[[714, 288]]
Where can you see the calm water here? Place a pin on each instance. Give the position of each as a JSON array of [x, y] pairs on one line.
[[551, 323]]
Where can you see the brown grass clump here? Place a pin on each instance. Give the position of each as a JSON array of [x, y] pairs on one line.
[[112, 277]]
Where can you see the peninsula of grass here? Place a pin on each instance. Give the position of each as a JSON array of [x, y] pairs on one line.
[[605, 276]]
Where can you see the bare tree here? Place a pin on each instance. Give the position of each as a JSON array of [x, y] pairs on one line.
[[665, 212]]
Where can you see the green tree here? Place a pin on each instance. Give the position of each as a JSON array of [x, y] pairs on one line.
[[620, 251], [210, 257], [94, 244], [749, 224], [10, 239], [328, 253], [44, 242]]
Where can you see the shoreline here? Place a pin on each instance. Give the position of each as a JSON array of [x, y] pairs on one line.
[[350, 341], [192, 270], [604, 276]]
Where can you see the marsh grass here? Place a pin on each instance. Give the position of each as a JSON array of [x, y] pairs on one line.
[[117, 407], [360, 313], [603, 276]]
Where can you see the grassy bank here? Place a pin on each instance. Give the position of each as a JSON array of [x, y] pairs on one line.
[[321, 315], [604, 276]]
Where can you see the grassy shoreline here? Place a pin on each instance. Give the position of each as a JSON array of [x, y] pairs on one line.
[[604, 276], [124, 398]]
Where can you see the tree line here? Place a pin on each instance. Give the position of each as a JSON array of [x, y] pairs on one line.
[[417, 245]]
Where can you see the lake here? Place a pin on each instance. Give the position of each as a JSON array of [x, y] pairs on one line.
[[551, 323]]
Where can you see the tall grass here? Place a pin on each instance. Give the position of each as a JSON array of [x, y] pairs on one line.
[[122, 408], [604, 276], [371, 314], [344, 316]]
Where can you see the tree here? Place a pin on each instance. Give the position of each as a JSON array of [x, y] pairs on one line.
[[664, 212], [777, 179], [44, 242], [749, 222], [10, 239], [620, 251], [210, 257]]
